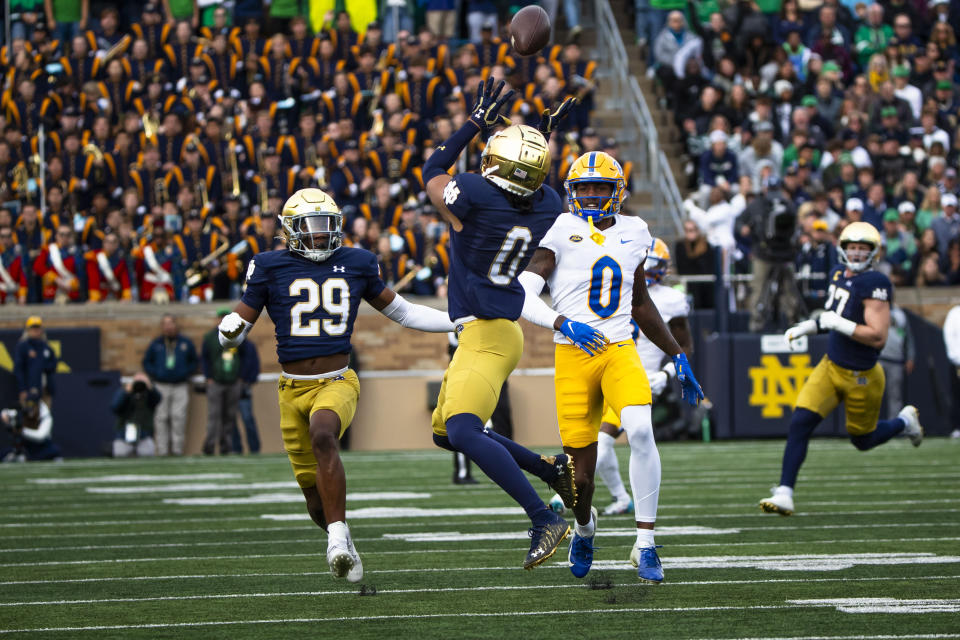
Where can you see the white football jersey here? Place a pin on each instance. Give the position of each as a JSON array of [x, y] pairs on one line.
[[593, 283], [671, 304]]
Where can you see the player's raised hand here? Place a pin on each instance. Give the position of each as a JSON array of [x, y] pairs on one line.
[[804, 328], [584, 337], [549, 121], [486, 111], [689, 387]]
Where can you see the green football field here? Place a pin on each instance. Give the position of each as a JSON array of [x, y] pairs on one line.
[[223, 548]]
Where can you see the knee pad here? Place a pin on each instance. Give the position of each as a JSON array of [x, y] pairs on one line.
[[638, 423]]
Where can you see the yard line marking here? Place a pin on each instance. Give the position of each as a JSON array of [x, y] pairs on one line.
[[809, 562], [137, 478], [454, 536], [270, 498], [556, 565], [924, 636], [459, 614], [885, 605]]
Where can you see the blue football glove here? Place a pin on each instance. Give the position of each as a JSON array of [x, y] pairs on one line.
[[634, 330], [689, 387], [584, 337]]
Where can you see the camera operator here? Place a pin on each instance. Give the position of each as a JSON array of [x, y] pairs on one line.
[[134, 405], [31, 425], [769, 223]]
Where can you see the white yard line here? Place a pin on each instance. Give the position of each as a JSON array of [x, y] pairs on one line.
[[421, 616]]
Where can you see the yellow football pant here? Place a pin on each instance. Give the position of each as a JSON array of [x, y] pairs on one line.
[[488, 352], [862, 391], [300, 399], [584, 382]]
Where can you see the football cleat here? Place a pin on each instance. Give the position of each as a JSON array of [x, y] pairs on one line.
[[619, 507], [355, 574], [563, 483], [339, 557], [581, 551], [913, 430], [647, 562], [545, 539], [778, 503]]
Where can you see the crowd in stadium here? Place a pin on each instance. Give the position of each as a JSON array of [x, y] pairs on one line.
[[849, 110], [145, 153]]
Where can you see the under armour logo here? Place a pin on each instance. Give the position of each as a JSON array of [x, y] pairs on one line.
[[337, 269]]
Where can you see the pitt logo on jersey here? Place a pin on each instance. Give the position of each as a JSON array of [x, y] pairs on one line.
[[576, 238]]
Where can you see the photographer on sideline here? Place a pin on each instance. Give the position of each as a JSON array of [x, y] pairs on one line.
[[32, 426], [770, 223], [134, 406]]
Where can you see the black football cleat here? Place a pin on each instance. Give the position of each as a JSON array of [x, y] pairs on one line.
[[563, 482], [545, 540]]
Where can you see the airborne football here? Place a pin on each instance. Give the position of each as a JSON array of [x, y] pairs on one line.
[[479, 320]]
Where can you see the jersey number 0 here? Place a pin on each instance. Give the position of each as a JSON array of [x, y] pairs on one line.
[[333, 288], [504, 267]]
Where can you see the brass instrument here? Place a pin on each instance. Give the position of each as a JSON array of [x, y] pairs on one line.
[[431, 261], [160, 195], [150, 125], [234, 173], [202, 195], [160, 295], [312, 159], [117, 49], [197, 272], [21, 180], [91, 149], [262, 189]]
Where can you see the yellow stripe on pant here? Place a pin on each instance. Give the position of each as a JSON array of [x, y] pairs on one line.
[[488, 352], [300, 399], [584, 382]]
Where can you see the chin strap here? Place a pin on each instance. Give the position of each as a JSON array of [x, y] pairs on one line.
[[595, 235]]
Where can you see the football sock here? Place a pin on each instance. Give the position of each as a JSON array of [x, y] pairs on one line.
[[645, 538], [608, 468], [802, 425], [644, 461], [587, 530], [885, 430], [527, 460], [337, 531], [783, 491], [465, 432]]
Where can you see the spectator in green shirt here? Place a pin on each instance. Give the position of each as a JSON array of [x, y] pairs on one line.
[[177, 10], [66, 18], [24, 15], [872, 36]]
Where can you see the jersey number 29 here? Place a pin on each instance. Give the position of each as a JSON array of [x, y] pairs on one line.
[[504, 267], [332, 289]]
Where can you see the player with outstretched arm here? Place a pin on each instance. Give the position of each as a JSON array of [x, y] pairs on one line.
[[311, 291], [497, 218], [593, 258], [857, 317]]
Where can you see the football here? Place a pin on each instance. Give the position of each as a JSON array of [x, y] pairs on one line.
[[556, 504], [529, 30]]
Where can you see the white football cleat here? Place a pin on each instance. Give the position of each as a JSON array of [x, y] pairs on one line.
[[913, 430], [355, 574], [781, 503], [618, 507]]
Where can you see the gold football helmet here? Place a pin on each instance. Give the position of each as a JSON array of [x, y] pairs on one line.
[[595, 166], [516, 159], [865, 233], [312, 223], [658, 259]]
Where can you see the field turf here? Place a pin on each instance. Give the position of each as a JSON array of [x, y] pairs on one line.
[[222, 548]]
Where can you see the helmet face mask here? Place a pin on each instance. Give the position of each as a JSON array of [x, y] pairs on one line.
[[592, 168], [313, 224], [867, 240], [657, 262], [516, 159]]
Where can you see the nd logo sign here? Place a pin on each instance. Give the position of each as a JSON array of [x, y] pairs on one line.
[[775, 386]]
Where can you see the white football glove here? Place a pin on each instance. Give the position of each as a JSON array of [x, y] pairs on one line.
[[658, 382], [232, 325], [670, 369], [833, 321], [804, 328]]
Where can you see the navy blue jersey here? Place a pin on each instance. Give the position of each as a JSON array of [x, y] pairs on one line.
[[312, 304], [496, 243], [845, 296]]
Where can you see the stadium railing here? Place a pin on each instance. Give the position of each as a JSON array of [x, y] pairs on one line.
[[637, 128]]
